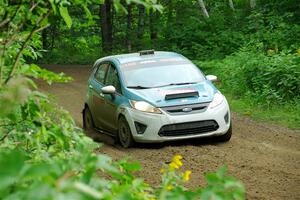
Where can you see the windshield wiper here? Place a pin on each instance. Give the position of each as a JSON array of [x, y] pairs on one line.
[[186, 83], [138, 87]]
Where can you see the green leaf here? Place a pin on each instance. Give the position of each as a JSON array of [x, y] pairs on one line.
[[134, 166], [38, 170], [11, 164], [221, 172], [65, 15]]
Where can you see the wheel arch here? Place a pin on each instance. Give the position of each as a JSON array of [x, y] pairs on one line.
[[86, 106], [122, 112]]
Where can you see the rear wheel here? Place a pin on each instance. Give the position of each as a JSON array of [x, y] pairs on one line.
[[124, 133], [88, 124], [226, 137]]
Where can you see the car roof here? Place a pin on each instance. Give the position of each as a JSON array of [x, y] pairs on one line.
[[135, 57]]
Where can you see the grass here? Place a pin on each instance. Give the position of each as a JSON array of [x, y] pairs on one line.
[[285, 115]]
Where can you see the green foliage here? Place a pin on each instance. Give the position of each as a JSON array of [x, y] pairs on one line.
[[35, 71], [269, 79], [221, 186], [65, 15], [286, 114]]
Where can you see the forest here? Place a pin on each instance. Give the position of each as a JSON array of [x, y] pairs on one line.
[[253, 46]]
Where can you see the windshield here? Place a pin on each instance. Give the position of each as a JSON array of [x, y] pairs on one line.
[[142, 77]]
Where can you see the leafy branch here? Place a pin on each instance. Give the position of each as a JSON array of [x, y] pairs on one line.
[[34, 30]]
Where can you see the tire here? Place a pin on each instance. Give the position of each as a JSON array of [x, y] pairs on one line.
[[88, 123], [124, 133], [226, 137]]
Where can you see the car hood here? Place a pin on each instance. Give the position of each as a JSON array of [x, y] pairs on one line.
[[157, 96]]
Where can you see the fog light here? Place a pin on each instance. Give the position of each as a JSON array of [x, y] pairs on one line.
[[140, 128], [226, 118]]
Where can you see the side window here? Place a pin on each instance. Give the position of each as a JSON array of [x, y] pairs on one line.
[[101, 71], [113, 79]]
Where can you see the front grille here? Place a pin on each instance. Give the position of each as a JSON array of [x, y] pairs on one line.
[[186, 109], [188, 128]]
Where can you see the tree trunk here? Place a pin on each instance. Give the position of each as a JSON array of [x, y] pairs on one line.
[[106, 26], [170, 11], [128, 32], [252, 4], [153, 20], [141, 22], [231, 4], [44, 39], [54, 34], [203, 8], [151, 26], [169, 19]]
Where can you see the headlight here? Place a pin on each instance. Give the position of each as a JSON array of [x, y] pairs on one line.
[[218, 99], [144, 106]]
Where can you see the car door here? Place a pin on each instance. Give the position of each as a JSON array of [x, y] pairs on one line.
[[112, 101], [98, 101]]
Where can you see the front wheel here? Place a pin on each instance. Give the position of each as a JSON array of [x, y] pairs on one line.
[[124, 133], [226, 137]]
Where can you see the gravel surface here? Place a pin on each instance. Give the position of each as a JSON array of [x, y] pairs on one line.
[[264, 156]]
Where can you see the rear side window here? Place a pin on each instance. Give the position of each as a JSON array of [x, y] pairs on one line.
[[101, 71]]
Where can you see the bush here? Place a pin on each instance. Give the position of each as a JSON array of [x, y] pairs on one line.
[[269, 77]]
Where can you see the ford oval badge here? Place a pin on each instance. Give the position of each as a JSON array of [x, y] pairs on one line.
[[187, 109]]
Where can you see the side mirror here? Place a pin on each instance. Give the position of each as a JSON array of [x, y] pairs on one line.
[[212, 78], [108, 89]]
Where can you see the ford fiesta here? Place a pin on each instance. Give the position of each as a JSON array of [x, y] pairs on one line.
[[154, 96]]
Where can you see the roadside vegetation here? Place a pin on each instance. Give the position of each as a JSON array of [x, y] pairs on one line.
[[43, 154], [263, 85]]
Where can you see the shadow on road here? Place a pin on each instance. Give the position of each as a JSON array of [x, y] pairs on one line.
[[111, 141]]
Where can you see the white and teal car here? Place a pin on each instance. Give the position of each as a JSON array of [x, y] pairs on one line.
[[154, 96]]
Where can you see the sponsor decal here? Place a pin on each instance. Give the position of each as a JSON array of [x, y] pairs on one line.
[[171, 59], [177, 91], [147, 61]]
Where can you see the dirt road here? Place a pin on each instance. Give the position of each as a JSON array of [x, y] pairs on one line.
[[265, 157]]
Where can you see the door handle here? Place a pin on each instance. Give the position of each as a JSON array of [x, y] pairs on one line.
[[90, 86]]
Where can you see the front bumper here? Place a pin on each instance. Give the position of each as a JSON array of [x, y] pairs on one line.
[[155, 122]]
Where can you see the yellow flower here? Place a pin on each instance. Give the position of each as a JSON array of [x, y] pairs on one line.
[[170, 187], [177, 157], [162, 170], [270, 51], [176, 162], [186, 175], [173, 165]]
